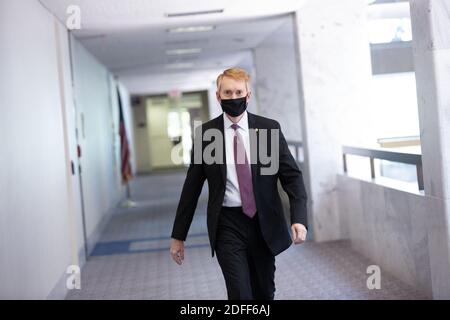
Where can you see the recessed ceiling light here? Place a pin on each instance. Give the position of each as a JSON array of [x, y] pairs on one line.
[[182, 65], [193, 13], [183, 51], [191, 29], [186, 42]]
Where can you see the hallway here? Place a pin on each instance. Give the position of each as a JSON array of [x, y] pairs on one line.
[[101, 104], [132, 261]]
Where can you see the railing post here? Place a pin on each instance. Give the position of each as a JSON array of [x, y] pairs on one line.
[[344, 159], [372, 167], [420, 176]]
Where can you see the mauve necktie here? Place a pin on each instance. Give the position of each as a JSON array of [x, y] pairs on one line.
[[244, 174]]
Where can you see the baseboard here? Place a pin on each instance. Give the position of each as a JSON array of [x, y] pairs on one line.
[[60, 290]]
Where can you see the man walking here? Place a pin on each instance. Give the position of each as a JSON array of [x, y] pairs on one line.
[[246, 224]]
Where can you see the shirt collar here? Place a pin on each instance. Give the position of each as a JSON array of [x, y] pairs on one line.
[[243, 123]]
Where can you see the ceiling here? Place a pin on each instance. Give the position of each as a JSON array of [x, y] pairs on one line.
[[144, 50], [126, 14], [131, 37]]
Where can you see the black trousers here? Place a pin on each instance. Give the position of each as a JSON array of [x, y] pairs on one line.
[[247, 264]]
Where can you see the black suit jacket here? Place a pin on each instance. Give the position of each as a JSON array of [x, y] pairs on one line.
[[270, 210]]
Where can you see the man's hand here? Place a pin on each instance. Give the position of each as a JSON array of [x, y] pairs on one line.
[[177, 250], [298, 233]]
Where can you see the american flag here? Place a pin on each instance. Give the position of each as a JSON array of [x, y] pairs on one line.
[[124, 148]]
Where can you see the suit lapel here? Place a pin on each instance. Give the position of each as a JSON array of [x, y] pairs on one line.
[[223, 166], [253, 125]]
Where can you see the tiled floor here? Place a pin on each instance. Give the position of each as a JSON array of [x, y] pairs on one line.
[[132, 259]]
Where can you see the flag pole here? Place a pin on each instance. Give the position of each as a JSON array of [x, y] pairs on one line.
[[125, 166], [128, 203]]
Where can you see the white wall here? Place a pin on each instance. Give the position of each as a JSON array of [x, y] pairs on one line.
[[391, 227], [276, 83], [70, 145], [335, 72], [97, 121], [34, 215], [431, 33], [41, 231]]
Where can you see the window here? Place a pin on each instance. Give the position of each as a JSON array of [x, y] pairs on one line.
[[389, 30]]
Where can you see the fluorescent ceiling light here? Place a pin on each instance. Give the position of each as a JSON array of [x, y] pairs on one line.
[[193, 13], [183, 51], [181, 65], [192, 29]]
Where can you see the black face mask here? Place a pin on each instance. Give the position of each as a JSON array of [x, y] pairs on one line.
[[234, 107]]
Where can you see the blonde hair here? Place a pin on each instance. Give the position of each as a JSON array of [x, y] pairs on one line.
[[236, 74]]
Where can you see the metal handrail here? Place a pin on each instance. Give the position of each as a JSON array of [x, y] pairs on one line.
[[298, 145], [395, 156]]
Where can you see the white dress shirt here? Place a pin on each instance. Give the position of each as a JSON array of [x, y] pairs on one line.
[[232, 196]]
